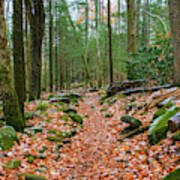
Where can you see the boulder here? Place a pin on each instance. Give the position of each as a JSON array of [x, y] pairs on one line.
[[7, 137]]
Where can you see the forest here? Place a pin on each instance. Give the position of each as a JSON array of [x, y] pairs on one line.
[[90, 89]]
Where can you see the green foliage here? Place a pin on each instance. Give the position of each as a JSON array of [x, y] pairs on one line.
[[154, 62]]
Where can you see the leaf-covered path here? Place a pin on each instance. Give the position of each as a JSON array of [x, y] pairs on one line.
[[91, 150], [94, 152]]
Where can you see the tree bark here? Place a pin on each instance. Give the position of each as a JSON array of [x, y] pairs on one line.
[[110, 42], [138, 20], [36, 16], [18, 53], [174, 14], [11, 108], [131, 10], [50, 46]]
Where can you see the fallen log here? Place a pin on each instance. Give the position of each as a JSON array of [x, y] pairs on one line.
[[123, 85], [140, 90], [60, 99], [174, 123], [134, 132], [159, 127]]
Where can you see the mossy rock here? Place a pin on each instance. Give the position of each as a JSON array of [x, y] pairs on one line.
[[54, 139], [13, 164], [68, 110], [159, 127], [52, 131], [102, 100], [134, 123], [32, 177], [7, 137], [65, 117], [37, 129], [43, 106], [159, 112], [76, 118], [108, 115], [43, 149], [175, 175], [176, 136], [112, 101], [29, 115]]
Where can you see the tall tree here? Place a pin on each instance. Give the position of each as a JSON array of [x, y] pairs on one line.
[[98, 52], [146, 24], [36, 16], [174, 14], [18, 52], [131, 11], [50, 46], [110, 42], [11, 108], [138, 19]]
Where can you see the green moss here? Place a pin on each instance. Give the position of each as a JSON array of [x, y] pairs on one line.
[[134, 123], [7, 137], [108, 115], [11, 109], [176, 136], [43, 149], [13, 164], [68, 110], [65, 118], [175, 175], [43, 106], [52, 131], [29, 115], [37, 130], [159, 127], [76, 118], [55, 139], [32, 177]]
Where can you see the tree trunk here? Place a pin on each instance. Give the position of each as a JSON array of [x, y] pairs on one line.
[[37, 23], [174, 14], [98, 52], [138, 20], [28, 56], [50, 46], [146, 25], [131, 8], [56, 64], [11, 108], [18, 53], [110, 42]]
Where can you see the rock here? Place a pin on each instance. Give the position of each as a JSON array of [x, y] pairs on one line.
[[134, 123], [29, 115], [175, 175], [174, 123], [7, 137], [176, 136], [13, 164], [33, 177], [76, 118], [68, 110], [37, 129], [159, 127]]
